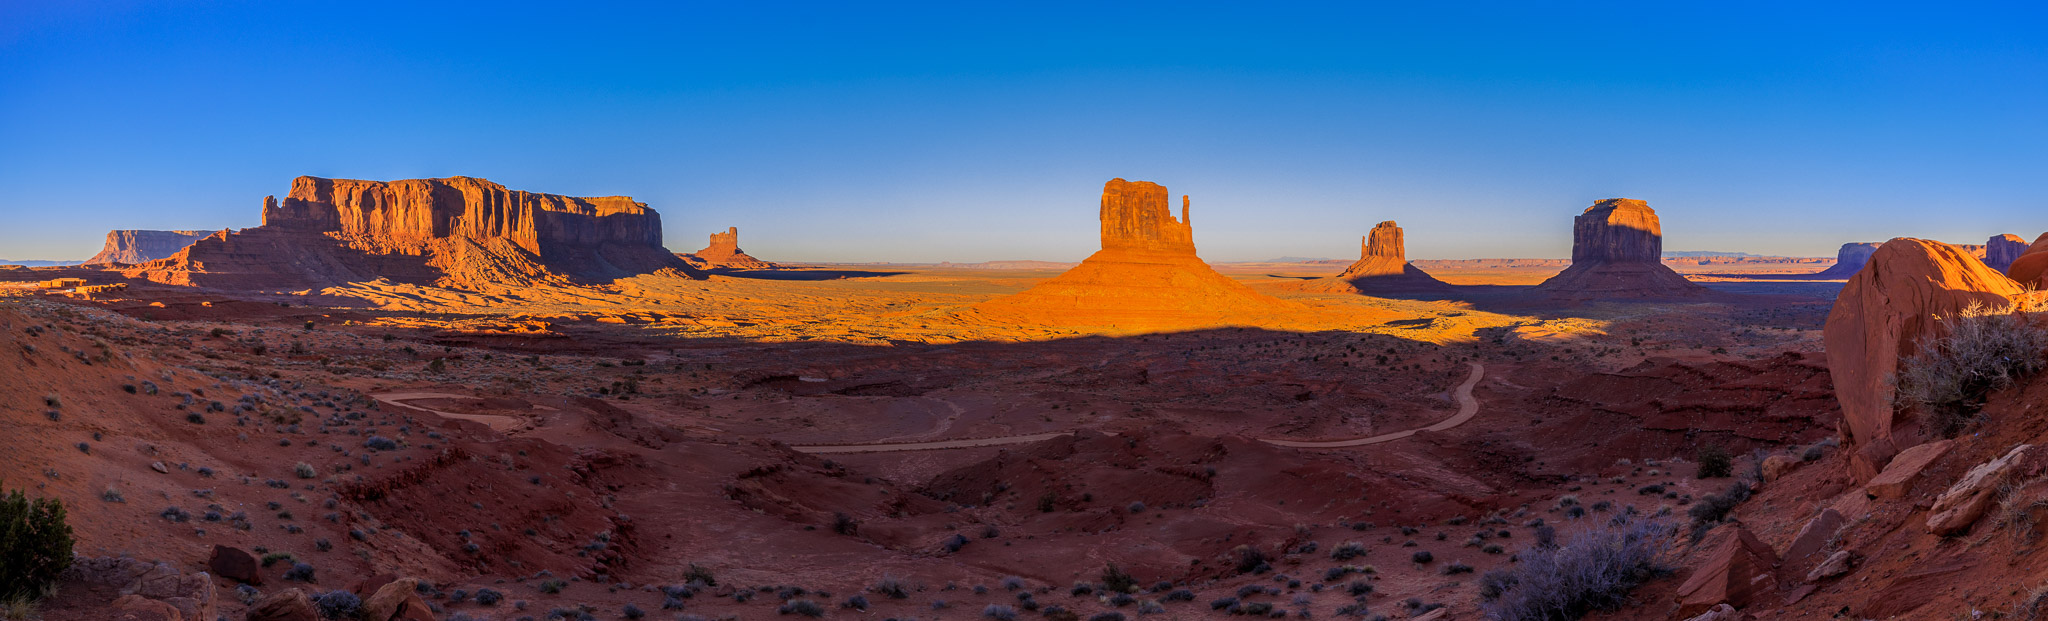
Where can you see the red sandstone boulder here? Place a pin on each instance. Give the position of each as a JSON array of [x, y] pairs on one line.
[[398, 600], [2032, 263], [1617, 245], [234, 564], [1814, 535], [286, 605], [1736, 570], [1899, 475], [1965, 501], [1875, 322]]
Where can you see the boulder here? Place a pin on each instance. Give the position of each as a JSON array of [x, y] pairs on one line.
[[1836, 564], [1876, 321], [1814, 536], [398, 600], [1899, 475], [1736, 569], [1849, 259], [2001, 250], [1777, 466], [1722, 612], [134, 246], [234, 564], [1617, 245], [1146, 276], [286, 605], [1965, 501], [1382, 267], [139, 608], [2032, 264]]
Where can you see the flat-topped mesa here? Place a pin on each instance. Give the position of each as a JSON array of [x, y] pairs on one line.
[[1135, 216], [2001, 250], [725, 252], [458, 231], [1382, 267], [134, 246], [409, 212], [1617, 252], [1849, 259]]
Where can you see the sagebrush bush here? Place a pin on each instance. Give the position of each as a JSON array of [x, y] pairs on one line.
[[1115, 580], [1594, 568], [1985, 349], [338, 604], [1715, 462], [35, 545]]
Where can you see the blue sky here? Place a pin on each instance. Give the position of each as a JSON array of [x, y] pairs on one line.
[[946, 132]]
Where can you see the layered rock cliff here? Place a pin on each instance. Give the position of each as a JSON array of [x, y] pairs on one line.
[[135, 246], [1849, 259], [459, 231], [1146, 275], [725, 253], [1617, 247], [1382, 267], [2001, 250]]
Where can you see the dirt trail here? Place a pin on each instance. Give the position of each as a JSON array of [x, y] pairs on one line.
[[501, 424], [1468, 408]]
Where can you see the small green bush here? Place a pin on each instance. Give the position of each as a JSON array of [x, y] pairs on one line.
[[35, 545]]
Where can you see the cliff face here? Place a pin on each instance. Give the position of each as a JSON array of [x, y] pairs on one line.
[[1383, 241], [724, 252], [2001, 250], [1617, 251], [1850, 259], [1382, 267], [458, 231], [132, 246], [1135, 217]]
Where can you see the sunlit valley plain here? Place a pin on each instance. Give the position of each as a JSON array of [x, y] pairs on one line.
[[420, 381]]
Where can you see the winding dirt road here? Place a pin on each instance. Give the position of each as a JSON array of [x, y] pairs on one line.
[[1468, 408]]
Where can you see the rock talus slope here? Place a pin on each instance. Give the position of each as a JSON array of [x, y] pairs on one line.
[[1880, 314], [1146, 274], [458, 231], [1617, 245]]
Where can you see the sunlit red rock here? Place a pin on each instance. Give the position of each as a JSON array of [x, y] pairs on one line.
[[135, 246], [1617, 245], [1382, 266], [724, 252]]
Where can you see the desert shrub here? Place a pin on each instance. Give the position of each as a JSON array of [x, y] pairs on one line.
[[844, 524], [488, 596], [1046, 502], [1985, 349], [1118, 616], [1258, 609], [1456, 568], [699, 573], [1122, 599], [1179, 595], [1715, 462], [2034, 607], [273, 557], [305, 470], [1347, 551], [1359, 587], [1714, 508], [803, 607], [1115, 580], [1422, 556], [1136, 507], [338, 604], [1594, 568], [955, 542], [857, 602], [1012, 583], [552, 587], [1250, 559], [890, 587], [35, 545], [999, 612], [380, 443], [1229, 604], [300, 572], [632, 612]]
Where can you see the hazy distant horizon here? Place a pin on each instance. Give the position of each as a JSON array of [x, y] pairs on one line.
[[968, 134]]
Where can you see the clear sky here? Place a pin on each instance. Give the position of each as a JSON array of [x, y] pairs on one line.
[[966, 131]]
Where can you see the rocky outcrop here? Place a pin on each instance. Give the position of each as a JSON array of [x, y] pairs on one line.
[[398, 600], [130, 247], [1616, 249], [1382, 267], [234, 564], [286, 605], [1849, 260], [1876, 320], [1737, 569], [2032, 264], [1898, 476], [191, 595], [1146, 275], [2001, 250], [725, 253], [458, 231], [1966, 500]]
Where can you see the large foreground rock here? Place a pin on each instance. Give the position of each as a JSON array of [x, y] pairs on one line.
[[192, 595], [2032, 263], [1617, 245], [1146, 275], [1736, 569], [1875, 322], [286, 605], [1965, 501]]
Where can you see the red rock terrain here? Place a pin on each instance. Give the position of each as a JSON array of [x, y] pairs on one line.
[[1382, 267], [724, 252], [130, 247], [460, 231], [1617, 247]]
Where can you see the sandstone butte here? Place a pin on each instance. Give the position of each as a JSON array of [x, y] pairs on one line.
[[1382, 267], [1617, 249], [724, 252], [1849, 260], [131, 246], [459, 231], [2001, 250], [1146, 275], [1878, 319], [2032, 263]]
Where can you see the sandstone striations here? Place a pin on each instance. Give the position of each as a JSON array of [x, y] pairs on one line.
[[1617, 247], [1849, 260], [130, 247], [1146, 275], [458, 231], [2001, 250], [1877, 319], [724, 252], [1382, 267]]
